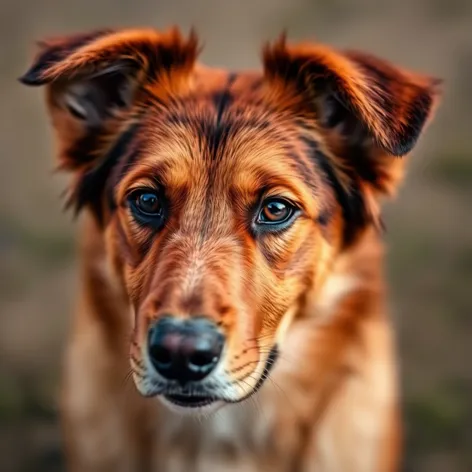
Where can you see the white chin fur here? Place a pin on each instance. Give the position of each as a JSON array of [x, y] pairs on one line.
[[191, 411]]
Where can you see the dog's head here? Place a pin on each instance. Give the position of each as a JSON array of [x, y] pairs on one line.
[[224, 197]]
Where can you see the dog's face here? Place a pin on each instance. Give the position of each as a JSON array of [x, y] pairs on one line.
[[223, 197]]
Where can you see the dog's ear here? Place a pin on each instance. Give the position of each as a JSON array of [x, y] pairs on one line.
[[367, 110], [376, 109], [93, 75], [97, 83]]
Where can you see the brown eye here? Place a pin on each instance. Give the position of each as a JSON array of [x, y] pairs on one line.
[[148, 203], [148, 207], [275, 211]]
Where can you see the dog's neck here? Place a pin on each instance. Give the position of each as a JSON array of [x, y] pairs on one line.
[[359, 269]]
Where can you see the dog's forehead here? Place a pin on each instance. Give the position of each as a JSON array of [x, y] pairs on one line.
[[225, 123]]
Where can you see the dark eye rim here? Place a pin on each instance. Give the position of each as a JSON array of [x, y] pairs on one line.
[[276, 226], [154, 220]]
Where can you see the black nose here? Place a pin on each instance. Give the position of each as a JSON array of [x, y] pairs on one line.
[[184, 350]]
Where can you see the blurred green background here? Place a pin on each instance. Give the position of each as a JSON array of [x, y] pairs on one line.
[[429, 225]]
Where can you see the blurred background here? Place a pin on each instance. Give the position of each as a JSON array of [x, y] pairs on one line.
[[429, 225]]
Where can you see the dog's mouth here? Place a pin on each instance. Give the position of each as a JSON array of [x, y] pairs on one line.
[[190, 401], [200, 397], [202, 400], [269, 365]]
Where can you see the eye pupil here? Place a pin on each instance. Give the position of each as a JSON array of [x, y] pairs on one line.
[[148, 203], [275, 211], [276, 208]]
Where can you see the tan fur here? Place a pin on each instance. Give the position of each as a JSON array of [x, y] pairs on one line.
[[330, 405], [318, 128]]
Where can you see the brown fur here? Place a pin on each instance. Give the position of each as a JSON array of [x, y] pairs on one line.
[[319, 127]]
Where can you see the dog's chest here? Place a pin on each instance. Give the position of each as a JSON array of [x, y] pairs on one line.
[[267, 432], [261, 434]]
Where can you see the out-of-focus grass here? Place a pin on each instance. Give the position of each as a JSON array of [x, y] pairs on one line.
[[440, 421], [26, 253], [447, 10], [24, 397], [42, 247], [430, 269], [11, 399], [28, 416], [453, 168]]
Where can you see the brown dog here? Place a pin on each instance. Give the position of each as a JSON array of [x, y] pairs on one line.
[[231, 246]]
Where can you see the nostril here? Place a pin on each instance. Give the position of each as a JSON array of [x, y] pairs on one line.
[[202, 358], [163, 345], [160, 355], [204, 352]]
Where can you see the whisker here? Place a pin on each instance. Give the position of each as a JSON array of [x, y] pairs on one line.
[[127, 377], [269, 362], [279, 389], [253, 398]]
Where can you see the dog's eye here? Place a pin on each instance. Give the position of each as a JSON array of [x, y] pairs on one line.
[[275, 211], [147, 206], [148, 203]]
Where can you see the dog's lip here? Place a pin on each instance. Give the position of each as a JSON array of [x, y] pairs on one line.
[[269, 365], [202, 398], [189, 401]]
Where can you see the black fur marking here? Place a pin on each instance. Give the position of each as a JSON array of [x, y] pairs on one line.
[[301, 167], [176, 118], [218, 136], [223, 99], [90, 188], [117, 174], [162, 57], [83, 151], [287, 68], [218, 133], [351, 201]]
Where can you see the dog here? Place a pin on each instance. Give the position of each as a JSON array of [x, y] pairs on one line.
[[231, 313]]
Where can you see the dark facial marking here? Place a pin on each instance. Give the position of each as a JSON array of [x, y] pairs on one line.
[[218, 132], [83, 151], [351, 202], [119, 171], [302, 168], [223, 99], [89, 190]]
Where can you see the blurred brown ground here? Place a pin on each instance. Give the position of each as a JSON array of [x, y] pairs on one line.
[[430, 224]]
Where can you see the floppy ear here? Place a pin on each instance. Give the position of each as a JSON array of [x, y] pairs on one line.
[[367, 109], [392, 105], [95, 85]]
